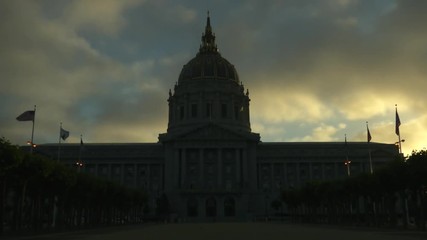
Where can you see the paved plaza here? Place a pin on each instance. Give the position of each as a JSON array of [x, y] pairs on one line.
[[225, 231]]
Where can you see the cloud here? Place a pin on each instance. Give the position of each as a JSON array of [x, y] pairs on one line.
[[323, 133], [49, 64], [309, 65], [413, 132], [287, 105], [351, 73], [270, 132], [103, 16]]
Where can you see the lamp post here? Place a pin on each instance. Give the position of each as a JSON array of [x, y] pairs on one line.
[[266, 197], [399, 145], [347, 163]]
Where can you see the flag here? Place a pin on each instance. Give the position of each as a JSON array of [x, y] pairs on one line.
[[27, 116], [81, 144], [397, 124], [64, 134], [79, 161], [369, 134]]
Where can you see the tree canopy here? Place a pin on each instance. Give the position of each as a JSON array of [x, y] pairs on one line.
[[38, 193]]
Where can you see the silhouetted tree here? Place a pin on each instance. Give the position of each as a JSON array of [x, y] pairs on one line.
[[39, 193], [370, 199]]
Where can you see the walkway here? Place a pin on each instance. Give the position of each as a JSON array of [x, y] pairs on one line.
[[225, 231]]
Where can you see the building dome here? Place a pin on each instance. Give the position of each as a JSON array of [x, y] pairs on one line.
[[208, 63], [208, 91]]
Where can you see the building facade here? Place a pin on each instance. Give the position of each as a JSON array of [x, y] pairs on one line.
[[209, 163]]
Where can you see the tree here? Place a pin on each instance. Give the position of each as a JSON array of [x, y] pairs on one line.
[[10, 158]]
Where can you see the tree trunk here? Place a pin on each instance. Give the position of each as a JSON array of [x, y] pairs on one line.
[[422, 223], [2, 201], [21, 206]]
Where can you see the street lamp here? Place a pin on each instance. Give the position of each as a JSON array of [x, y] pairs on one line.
[[347, 163], [33, 145], [266, 197], [399, 146]]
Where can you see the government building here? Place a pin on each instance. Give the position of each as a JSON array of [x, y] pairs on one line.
[[209, 163]]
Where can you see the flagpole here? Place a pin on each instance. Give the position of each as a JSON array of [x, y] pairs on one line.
[[400, 145], [347, 162], [398, 130], [32, 131], [369, 148], [55, 200], [59, 144], [80, 149], [79, 162]]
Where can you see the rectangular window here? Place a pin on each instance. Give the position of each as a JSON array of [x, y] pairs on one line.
[[181, 112], [208, 110], [236, 112], [194, 110], [224, 110]]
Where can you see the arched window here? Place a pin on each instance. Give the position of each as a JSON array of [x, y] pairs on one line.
[[208, 110], [229, 207], [194, 110], [192, 207], [181, 112], [224, 110], [210, 207]]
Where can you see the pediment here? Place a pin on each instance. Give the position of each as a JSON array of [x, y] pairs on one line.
[[213, 132]]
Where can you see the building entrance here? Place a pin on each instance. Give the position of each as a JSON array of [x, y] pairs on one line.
[[192, 207], [229, 207], [211, 207]]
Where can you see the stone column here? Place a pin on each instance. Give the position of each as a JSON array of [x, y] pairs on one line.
[[322, 165], [272, 180], [245, 169], [285, 174], [148, 176], [122, 173], [176, 174], [201, 207], [96, 170], [219, 164], [183, 168], [336, 170], [216, 107], [135, 175], [237, 159], [200, 113], [232, 109], [186, 108], [219, 207], [202, 169]]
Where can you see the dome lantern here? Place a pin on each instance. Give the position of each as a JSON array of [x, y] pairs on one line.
[[208, 63], [208, 39]]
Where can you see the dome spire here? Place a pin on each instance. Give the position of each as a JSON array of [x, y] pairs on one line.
[[208, 39]]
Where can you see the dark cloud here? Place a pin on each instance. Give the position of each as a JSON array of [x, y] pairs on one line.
[[315, 69]]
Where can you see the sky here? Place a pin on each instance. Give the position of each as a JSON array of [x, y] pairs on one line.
[[315, 70]]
